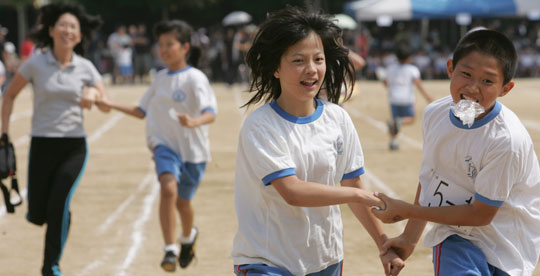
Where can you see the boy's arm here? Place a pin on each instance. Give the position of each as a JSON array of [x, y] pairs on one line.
[[476, 214], [132, 110], [405, 243], [420, 86]]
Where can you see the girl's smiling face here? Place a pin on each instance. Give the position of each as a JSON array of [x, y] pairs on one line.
[[478, 77], [301, 70]]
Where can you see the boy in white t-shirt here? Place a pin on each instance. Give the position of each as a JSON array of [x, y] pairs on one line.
[[178, 107], [480, 178], [400, 78]]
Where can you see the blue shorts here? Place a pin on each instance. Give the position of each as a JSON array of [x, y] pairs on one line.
[[400, 111], [188, 175], [126, 70], [265, 270], [459, 256]]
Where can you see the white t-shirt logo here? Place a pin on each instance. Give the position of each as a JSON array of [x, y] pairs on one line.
[[471, 168], [179, 96], [338, 145]]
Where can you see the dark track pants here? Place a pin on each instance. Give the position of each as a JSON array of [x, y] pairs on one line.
[[54, 171]]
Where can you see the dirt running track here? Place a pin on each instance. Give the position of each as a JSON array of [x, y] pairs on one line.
[[115, 228]]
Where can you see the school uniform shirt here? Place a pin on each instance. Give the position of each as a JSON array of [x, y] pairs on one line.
[[400, 80], [493, 162], [57, 94], [322, 148], [185, 91]]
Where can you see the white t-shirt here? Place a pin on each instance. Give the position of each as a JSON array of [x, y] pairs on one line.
[[184, 91], [494, 162], [400, 79], [322, 148]]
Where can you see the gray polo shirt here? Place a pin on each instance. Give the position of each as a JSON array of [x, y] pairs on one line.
[[57, 93]]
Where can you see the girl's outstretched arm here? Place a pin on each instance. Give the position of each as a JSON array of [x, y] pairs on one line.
[[297, 192]]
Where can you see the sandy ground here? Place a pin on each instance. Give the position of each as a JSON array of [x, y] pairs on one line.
[[115, 228]]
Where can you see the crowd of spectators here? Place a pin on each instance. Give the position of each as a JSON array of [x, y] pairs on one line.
[[129, 54]]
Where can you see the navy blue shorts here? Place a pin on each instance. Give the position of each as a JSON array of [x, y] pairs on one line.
[[400, 111], [188, 175], [459, 256]]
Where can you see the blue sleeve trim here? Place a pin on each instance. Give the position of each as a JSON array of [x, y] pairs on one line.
[[279, 174], [209, 109], [142, 110], [353, 174], [488, 201]]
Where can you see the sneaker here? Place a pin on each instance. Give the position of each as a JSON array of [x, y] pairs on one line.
[[169, 262], [394, 145], [187, 252]]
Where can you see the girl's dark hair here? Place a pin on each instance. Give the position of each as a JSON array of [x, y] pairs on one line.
[[182, 31], [281, 30], [490, 43], [49, 15]]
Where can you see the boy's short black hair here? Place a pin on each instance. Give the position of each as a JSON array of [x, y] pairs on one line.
[[491, 43], [182, 32], [403, 52], [179, 28]]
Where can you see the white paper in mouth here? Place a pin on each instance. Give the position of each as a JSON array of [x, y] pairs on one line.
[[467, 111], [173, 114]]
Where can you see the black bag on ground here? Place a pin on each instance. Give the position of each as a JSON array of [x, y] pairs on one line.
[[8, 168]]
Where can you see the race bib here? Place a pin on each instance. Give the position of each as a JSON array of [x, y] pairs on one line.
[[440, 192]]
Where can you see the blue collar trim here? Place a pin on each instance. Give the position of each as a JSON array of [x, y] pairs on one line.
[[179, 71], [478, 123], [299, 120]]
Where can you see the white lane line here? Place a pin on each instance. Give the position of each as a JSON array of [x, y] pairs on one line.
[[20, 115], [138, 228], [382, 127], [105, 127], [94, 137], [120, 210], [21, 141], [379, 184], [148, 179]]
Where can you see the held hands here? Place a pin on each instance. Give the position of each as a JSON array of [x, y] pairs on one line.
[[89, 97], [399, 245], [392, 262], [392, 211]]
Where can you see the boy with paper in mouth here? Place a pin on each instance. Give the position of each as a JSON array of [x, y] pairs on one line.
[[480, 178]]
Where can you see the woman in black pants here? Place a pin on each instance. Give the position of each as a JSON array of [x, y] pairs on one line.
[[58, 150]]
